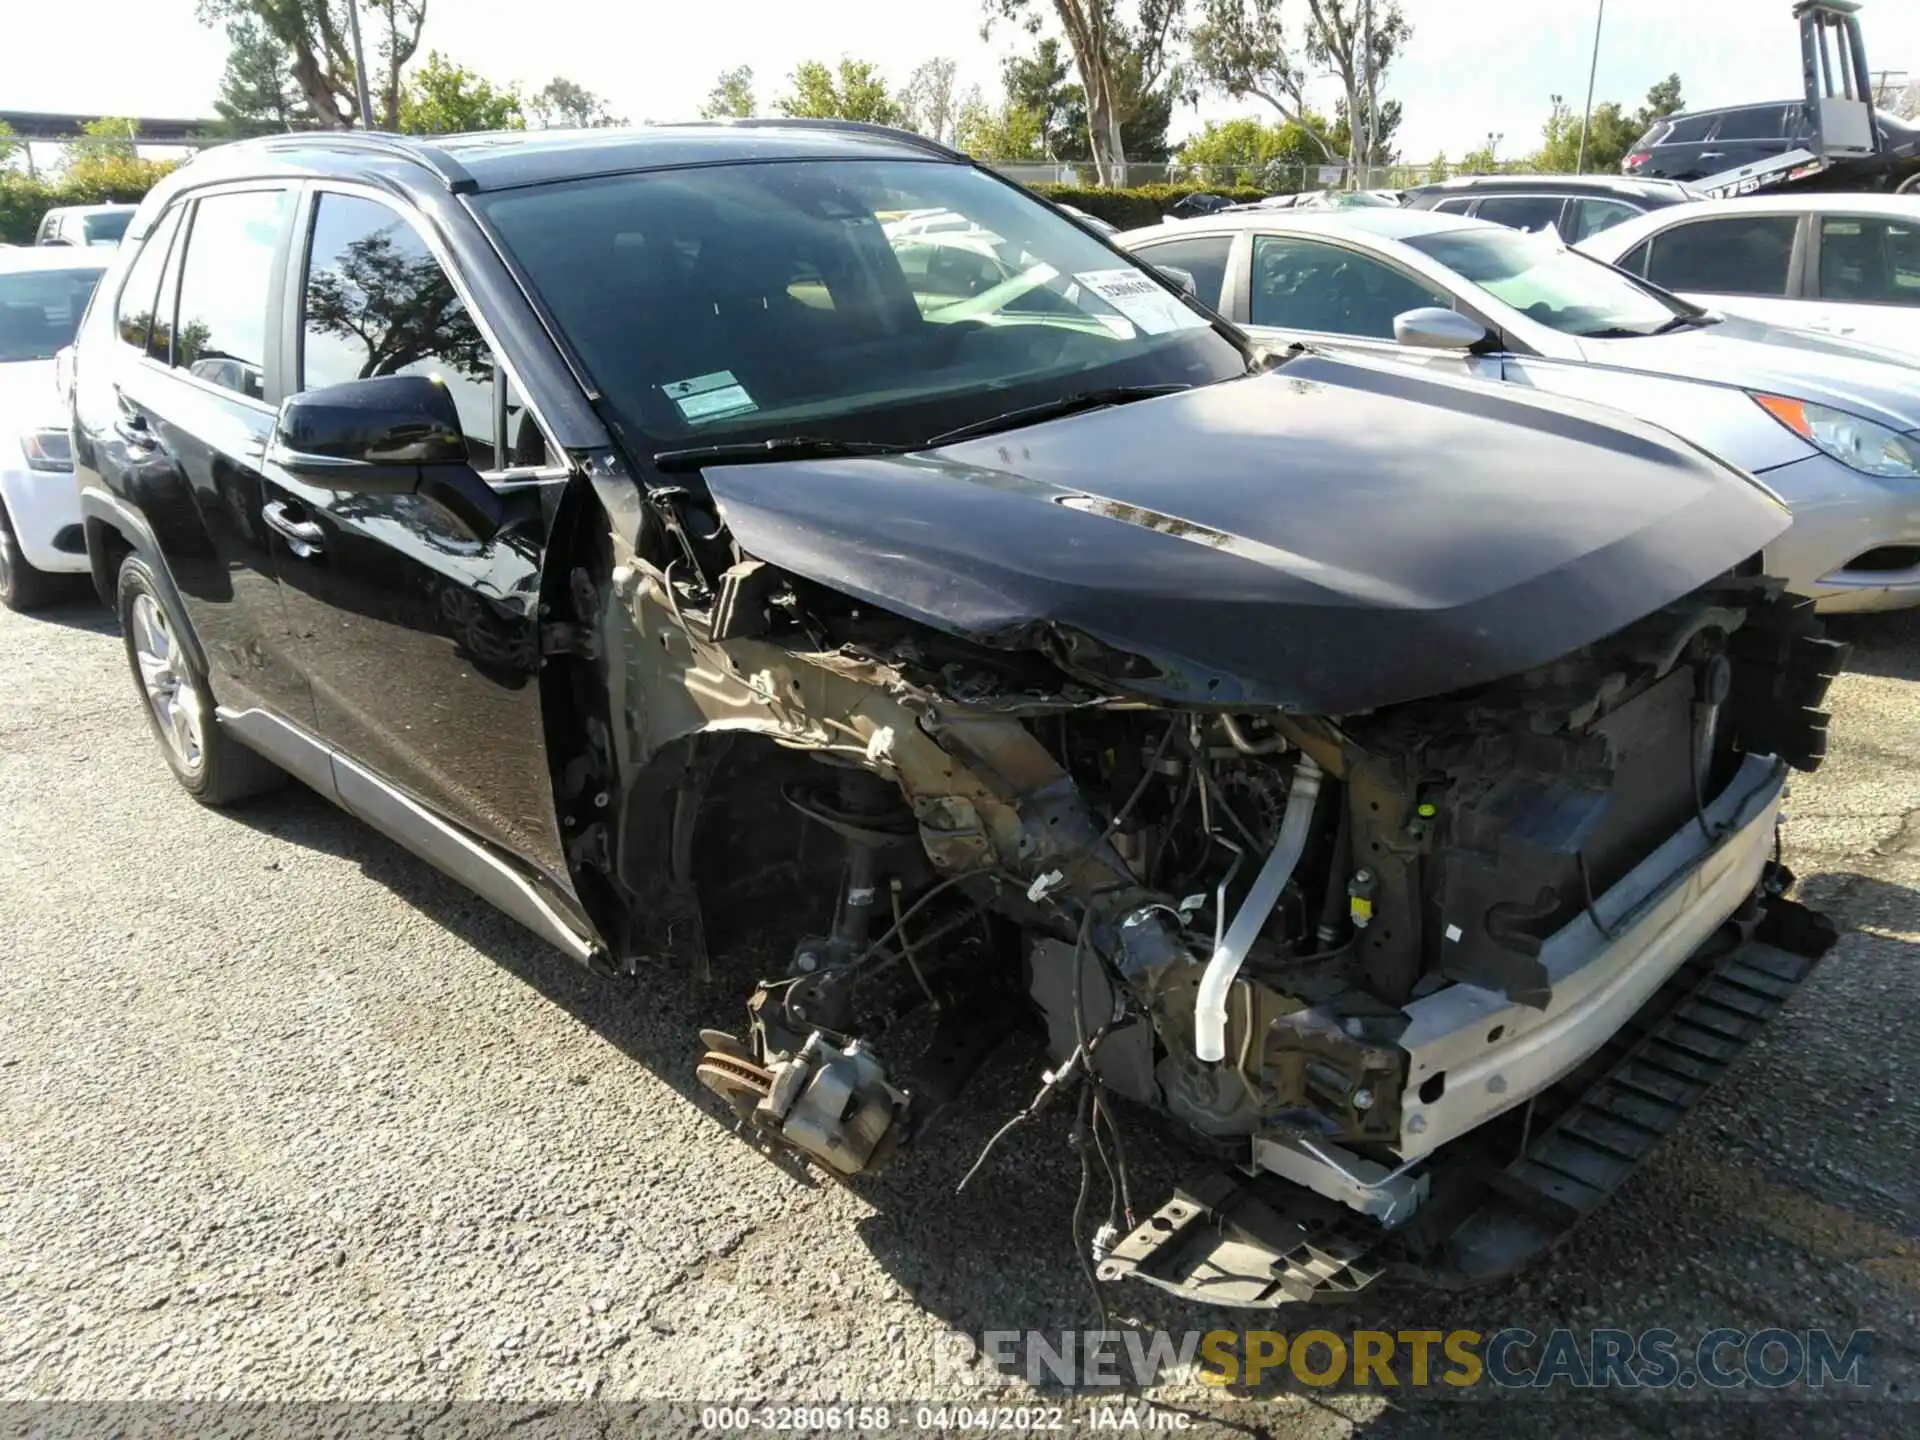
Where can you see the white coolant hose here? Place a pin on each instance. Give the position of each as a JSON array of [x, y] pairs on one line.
[[1210, 1008]]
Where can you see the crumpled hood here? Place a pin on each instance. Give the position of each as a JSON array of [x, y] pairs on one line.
[[1335, 536], [1867, 380]]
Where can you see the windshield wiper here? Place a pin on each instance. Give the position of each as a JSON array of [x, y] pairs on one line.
[[1686, 322], [1053, 410], [753, 452]]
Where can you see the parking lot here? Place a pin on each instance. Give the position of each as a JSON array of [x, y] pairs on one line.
[[284, 1113]]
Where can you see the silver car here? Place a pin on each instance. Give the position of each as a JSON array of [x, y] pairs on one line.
[[1832, 426]]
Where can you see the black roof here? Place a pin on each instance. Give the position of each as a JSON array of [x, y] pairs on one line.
[[505, 159], [1659, 192]]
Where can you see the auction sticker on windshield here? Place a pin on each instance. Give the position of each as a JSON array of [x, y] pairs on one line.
[[1145, 303], [712, 396]]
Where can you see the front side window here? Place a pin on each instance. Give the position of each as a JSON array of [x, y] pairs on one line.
[[220, 333], [1521, 212], [874, 300], [1548, 283], [1870, 260], [1202, 256], [377, 302], [134, 314], [1739, 255], [40, 310], [1310, 285]]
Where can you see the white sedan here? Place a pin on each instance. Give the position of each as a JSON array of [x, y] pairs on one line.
[[1832, 427], [1845, 264], [43, 293]]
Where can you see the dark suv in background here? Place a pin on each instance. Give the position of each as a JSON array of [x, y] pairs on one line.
[[1700, 143], [640, 527], [1574, 205]]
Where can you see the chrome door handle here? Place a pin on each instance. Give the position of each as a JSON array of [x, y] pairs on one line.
[[303, 537], [134, 433]]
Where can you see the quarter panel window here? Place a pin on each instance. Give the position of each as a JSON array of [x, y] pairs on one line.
[[1455, 204], [134, 313], [376, 302], [1743, 255], [221, 330], [1202, 256], [1870, 260], [1688, 128], [1307, 285]]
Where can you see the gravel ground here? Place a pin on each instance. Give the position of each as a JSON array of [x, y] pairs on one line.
[[285, 1115]]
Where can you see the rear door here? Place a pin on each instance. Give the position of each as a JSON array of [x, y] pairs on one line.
[[1866, 278], [1207, 258], [1746, 264], [1677, 154], [184, 431], [1747, 135], [1324, 293], [416, 618]]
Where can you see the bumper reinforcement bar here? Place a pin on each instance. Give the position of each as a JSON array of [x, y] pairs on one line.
[[1507, 1192]]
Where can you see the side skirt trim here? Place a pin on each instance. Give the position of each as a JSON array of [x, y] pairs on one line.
[[441, 844]]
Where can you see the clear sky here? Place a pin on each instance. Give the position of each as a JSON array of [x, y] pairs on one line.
[[1474, 66]]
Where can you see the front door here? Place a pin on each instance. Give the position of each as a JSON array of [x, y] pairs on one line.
[[1346, 299], [416, 620]]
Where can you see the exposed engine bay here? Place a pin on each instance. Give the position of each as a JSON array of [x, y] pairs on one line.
[[1229, 917]]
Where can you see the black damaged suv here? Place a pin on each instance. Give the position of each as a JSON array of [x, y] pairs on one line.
[[1372, 772]]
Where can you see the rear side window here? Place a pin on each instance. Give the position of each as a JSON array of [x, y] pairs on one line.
[[1306, 285], [134, 314], [1685, 129], [377, 302], [1754, 122], [232, 246], [1590, 217], [1744, 255], [1203, 256], [1521, 212], [1870, 260], [1455, 204]]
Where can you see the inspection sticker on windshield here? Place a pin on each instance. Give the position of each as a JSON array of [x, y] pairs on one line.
[[1143, 302], [712, 396]]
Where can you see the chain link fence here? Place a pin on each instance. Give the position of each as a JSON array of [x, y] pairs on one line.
[[1277, 178]]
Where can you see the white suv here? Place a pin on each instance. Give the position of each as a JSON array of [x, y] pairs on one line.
[[43, 294]]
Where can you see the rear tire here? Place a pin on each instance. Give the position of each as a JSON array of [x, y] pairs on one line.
[[22, 587], [209, 763]]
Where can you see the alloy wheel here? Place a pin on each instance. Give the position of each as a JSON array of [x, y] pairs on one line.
[[170, 689]]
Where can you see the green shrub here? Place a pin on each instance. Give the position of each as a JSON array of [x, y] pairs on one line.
[[102, 180], [1141, 205]]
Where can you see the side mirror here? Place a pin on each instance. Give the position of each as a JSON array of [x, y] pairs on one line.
[[1183, 278], [369, 435], [1432, 328]]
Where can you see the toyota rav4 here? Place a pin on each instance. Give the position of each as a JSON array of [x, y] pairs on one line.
[[1374, 774]]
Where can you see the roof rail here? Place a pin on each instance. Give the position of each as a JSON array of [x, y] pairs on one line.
[[450, 172], [850, 127]]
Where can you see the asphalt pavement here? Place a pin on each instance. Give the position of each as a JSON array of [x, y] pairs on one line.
[[286, 1115]]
